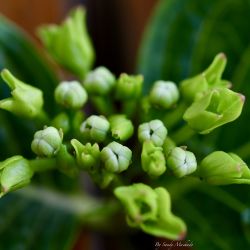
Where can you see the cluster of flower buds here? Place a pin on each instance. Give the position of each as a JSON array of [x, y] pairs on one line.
[[104, 143], [150, 210]]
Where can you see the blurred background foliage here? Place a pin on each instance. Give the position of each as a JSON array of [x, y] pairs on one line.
[[181, 39]]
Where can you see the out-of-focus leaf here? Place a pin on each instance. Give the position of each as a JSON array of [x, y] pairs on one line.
[[20, 56]]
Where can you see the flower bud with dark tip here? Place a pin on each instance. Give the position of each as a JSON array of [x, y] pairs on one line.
[[220, 168], [215, 108], [181, 162], [128, 87], [208, 79], [69, 43], [152, 159], [99, 81], [164, 94], [154, 131], [121, 127], [26, 100], [15, 173], [116, 157], [47, 142], [95, 128], [71, 95], [87, 156]]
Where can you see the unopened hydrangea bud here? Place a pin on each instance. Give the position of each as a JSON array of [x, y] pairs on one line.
[[164, 94], [15, 172], [220, 168], [210, 78], [87, 156], [128, 87], [150, 210], [95, 128], [61, 121], [121, 127], [71, 95], [26, 100], [99, 81], [152, 159], [69, 44], [47, 142], [116, 157], [213, 109], [181, 162], [154, 131]]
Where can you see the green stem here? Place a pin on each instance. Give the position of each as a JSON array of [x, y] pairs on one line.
[[183, 134], [42, 119], [243, 151], [173, 117], [93, 212], [104, 105], [40, 165], [129, 108], [223, 197]]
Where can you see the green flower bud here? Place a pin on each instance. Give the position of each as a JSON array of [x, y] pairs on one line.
[[167, 225], [116, 157], [99, 81], [208, 79], [164, 94], [213, 109], [87, 156], [150, 210], [26, 100], [69, 44], [121, 127], [15, 172], [71, 95], [181, 162], [47, 142], [153, 160], [154, 131], [128, 87], [95, 128], [61, 121], [220, 168]]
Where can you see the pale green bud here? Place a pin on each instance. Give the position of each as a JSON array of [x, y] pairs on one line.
[[61, 121], [152, 159], [181, 162], [128, 87], [150, 210], [26, 100], [116, 157], [95, 128], [121, 127], [220, 168], [213, 109], [87, 156], [206, 80], [154, 131], [71, 95], [164, 94], [47, 142], [15, 172], [99, 81], [69, 44]]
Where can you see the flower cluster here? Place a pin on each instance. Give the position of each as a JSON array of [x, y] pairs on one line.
[[128, 134]]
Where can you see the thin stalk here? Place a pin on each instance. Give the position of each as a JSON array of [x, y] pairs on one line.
[[183, 134], [104, 105], [41, 165], [243, 151]]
